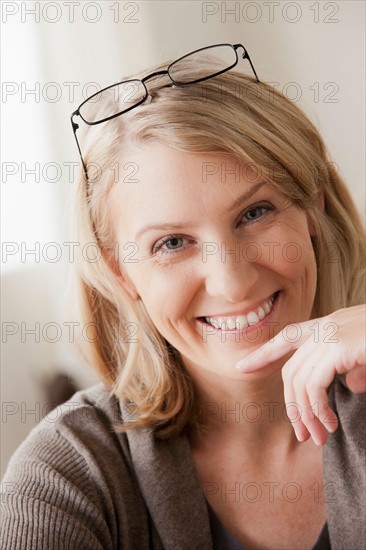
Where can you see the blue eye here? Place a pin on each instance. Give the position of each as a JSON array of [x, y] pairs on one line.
[[173, 243], [170, 244], [255, 213]]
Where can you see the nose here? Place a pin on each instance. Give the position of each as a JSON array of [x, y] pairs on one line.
[[229, 275]]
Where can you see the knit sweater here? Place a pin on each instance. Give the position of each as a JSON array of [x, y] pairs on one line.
[[74, 483]]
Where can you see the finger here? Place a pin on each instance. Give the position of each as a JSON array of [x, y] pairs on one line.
[[295, 374], [268, 353], [318, 399], [308, 375], [356, 379], [294, 414], [287, 340], [307, 422]]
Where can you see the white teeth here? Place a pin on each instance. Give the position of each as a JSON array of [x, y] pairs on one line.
[[261, 313], [242, 321], [230, 323], [252, 318]]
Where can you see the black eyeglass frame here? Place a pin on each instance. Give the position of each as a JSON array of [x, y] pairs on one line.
[[75, 126]]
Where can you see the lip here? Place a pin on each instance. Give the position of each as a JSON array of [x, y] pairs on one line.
[[249, 328], [242, 311]]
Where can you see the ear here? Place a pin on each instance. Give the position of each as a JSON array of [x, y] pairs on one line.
[[121, 277]]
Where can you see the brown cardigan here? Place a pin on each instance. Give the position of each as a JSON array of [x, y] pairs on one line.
[[76, 484]]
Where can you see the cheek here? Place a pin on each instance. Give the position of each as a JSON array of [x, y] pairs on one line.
[[290, 252], [296, 260], [164, 291]]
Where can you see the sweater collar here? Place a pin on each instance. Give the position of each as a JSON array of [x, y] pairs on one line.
[[170, 485]]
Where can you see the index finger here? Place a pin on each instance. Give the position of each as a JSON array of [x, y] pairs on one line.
[[276, 348]]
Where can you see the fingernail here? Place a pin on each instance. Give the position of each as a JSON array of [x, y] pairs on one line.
[[298, 438], [241, 364], [331, 427], [316, 440]]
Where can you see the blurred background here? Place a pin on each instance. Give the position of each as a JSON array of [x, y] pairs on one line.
[[55, 54]]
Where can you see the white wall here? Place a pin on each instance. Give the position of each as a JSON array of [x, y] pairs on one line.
[[314, 50]]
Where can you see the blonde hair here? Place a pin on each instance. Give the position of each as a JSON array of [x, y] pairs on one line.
[[254, 123]]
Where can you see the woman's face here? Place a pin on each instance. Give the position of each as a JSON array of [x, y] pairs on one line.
[[220, 260]]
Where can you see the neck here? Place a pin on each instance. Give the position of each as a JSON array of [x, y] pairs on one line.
[[247, 415]]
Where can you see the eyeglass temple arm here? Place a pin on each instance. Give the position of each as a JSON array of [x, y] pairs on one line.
[[75, 127], [245, 55]]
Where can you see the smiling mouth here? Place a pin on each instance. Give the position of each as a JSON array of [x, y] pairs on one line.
[[242, 321]]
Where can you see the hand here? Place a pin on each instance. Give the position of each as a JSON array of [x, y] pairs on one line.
[[323, 348]]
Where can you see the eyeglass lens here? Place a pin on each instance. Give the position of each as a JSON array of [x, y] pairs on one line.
[[113, 100], [202, 64], [190, 68]]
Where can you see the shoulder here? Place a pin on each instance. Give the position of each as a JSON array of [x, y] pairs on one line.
[[82, 425], [344, 464], [345, 450], [72, 473], [350, 409]]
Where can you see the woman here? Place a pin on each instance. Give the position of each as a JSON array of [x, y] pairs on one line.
[[225, 238]]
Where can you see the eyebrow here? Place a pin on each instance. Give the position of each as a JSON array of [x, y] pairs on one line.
[[237, 202]]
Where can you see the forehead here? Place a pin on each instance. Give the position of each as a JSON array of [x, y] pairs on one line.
[[157, 180], [155, 166]]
